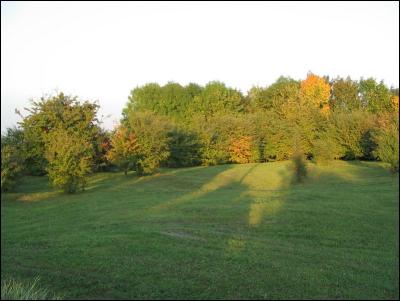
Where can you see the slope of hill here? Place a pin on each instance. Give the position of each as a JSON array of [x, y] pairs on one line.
[[222, 232]]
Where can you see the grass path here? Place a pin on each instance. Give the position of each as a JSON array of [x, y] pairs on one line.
[[222, 232]]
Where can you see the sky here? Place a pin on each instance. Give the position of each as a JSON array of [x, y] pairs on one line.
[[100, 51]]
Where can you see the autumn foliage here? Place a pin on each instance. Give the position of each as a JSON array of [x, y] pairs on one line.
[[395, 102], [123, 149], [314, 90], [240, 150]]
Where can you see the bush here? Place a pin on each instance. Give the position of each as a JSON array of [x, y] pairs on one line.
[[152, 132], [324, 150], [184, 148], [14, 290], [240, 149], [123, 151], [12, 158], [387, 140], [349, 131], [69, 158], [11, 167]]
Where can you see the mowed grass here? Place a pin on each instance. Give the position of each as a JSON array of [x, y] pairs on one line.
[[222, 232]]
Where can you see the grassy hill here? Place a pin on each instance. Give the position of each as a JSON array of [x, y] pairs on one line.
[[222, 232]]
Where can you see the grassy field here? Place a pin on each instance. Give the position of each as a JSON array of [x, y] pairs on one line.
[[222, 232]]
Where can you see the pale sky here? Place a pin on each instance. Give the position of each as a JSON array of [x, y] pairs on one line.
[[100, 51]]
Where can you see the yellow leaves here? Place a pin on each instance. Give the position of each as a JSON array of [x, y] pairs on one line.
[[315, 90], [124, 145], [395, 102], [325, 110], [240, 149]]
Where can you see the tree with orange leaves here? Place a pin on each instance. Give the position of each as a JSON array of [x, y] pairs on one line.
[[123, 150], [240, 150], [315, 91]]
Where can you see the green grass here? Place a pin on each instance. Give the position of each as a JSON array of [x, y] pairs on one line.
[[13, 290], [222, 232]]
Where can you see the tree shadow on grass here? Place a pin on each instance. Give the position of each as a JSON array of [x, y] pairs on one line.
[[247, 232], [331, 215]]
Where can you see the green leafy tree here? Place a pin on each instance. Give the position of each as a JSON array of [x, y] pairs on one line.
[[175, 100], [272, 97], [386, 137], [217, 99], [70, 159], [102, 145], [184, 146], [143, 98], [216, 133], [349, 131], [193, 90], [325, 149], [56, 112], [375, 97], [152, 132], [344, 94]]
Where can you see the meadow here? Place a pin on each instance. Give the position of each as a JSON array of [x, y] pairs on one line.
[[222, 232]]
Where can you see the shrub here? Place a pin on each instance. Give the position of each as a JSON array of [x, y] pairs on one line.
[[240, 149], [152, 133], [324, 150], [69, 158], [12, 158], [123, 152], [11, 167], [386, 138], [349, 131], [184, 148]]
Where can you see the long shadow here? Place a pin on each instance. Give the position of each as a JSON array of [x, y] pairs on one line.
[[253, 225], [333, 206]]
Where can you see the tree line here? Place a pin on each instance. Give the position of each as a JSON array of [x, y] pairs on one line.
[[180, 126]]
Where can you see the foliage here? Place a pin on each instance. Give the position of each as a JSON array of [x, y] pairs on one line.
[[12, 158], [394, 99], [11, 166], [176, 126], [124, 149], [143, 98], [272, 97], [56, 112], [375, 97], [344, 94], [217, 99], [184, 146], [349, 132], [70, 159], [386, 137], [215, 134], [152, 133], [240, 149], [172, 99], [325, 149], [315, 91]]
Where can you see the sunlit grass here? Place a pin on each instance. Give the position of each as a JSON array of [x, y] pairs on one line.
[[221, 232]]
